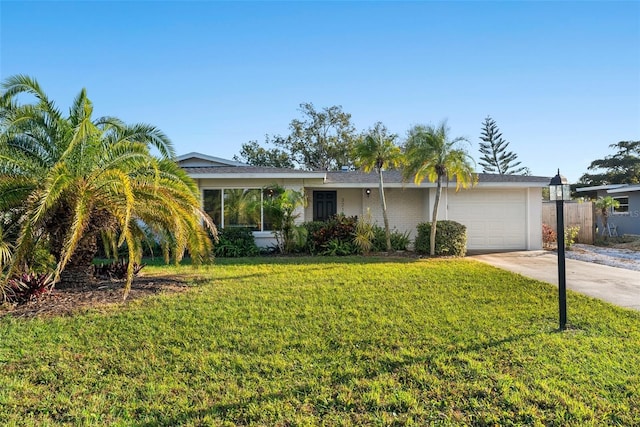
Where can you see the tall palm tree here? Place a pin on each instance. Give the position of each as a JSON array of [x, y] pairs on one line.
[[431, 154], [377, 151], [72, 177]]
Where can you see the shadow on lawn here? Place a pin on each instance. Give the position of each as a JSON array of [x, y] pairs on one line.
[[236, 412]]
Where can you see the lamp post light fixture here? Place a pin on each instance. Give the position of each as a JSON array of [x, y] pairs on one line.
[[368, 192], [559, 191]]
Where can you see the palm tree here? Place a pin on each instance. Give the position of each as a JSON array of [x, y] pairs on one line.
[[431, 154], [604, 205], [70, 178], [377, 151]]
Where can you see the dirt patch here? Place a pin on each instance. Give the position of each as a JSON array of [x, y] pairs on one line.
[[103, 294], [625, 242]]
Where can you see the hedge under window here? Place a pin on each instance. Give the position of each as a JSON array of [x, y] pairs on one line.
[[238, 207]]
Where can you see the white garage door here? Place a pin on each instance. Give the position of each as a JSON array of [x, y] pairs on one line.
[[495, 219]]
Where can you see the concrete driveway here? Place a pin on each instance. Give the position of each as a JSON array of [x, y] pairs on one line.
[[615, 285]]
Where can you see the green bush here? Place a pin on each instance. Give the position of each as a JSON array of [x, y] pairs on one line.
[[325, 237], [451, 238], [399, 241], [236, 242], [570, 234]]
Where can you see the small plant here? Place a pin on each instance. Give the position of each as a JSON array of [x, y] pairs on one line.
[[549, 236], [399, 241], [364, 234], [337, 247], [116, 270], [28, 286], [570, 234]]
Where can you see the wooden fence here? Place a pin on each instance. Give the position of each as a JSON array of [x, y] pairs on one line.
[[581, 214]]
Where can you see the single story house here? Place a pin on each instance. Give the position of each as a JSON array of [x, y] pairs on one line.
[[626, 217], [502, 212]]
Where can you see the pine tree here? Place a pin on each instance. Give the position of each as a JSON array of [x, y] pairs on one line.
[[495, 157]]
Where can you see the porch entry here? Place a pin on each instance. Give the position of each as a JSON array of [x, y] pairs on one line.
[[324, 205]]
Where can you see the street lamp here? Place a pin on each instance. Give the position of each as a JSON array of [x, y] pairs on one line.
[[559, 191]]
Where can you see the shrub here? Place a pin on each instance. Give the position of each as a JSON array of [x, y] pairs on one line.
[[399, 241], [28, 286], [570, 234], [236, 242], [340, 227], [335, 247], [548, 235], [116, 270], [451, 238]]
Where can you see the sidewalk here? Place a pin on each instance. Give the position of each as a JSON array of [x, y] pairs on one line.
[[615, 285]]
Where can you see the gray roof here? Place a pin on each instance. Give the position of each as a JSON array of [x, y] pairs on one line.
[[601, 187], [391, 178], [395, 177], [267, 172]]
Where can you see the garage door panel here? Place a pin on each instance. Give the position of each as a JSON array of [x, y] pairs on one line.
[[494, 219]]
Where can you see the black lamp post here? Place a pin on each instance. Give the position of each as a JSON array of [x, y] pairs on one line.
[[559, 191]]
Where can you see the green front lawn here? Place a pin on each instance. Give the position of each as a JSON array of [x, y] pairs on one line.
[[310, 341]]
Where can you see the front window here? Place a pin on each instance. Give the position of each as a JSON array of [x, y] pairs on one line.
[[238, 207], [624, 206]]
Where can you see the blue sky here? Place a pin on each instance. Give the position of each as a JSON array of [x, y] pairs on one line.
[[562, 79]]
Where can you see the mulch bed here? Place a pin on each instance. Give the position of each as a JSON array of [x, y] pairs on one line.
[[102, 294]]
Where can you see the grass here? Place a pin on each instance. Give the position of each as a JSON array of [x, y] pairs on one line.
[[311, 341]]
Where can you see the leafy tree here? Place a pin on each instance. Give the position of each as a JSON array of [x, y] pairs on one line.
[[623, 167], [67, 179], [495, 157], [431, 154], [257, 155], [321, 140], [603, 207], [377, 151]]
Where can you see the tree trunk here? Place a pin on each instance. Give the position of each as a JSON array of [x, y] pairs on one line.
[[79, 270], [434, 218], [383, 202]]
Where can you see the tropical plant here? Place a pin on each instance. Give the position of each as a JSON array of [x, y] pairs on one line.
[[431, 154], [495, 157], [282, 208], [364, 233], [377, 151], [604, 205], [6, 249], [399, 240], [70, 178], [28, 286], [116, 270]]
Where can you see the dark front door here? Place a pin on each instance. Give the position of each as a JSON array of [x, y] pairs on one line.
[[324, 205]]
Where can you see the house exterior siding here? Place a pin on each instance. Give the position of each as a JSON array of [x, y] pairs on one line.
[[628, 222], [408, 204]]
